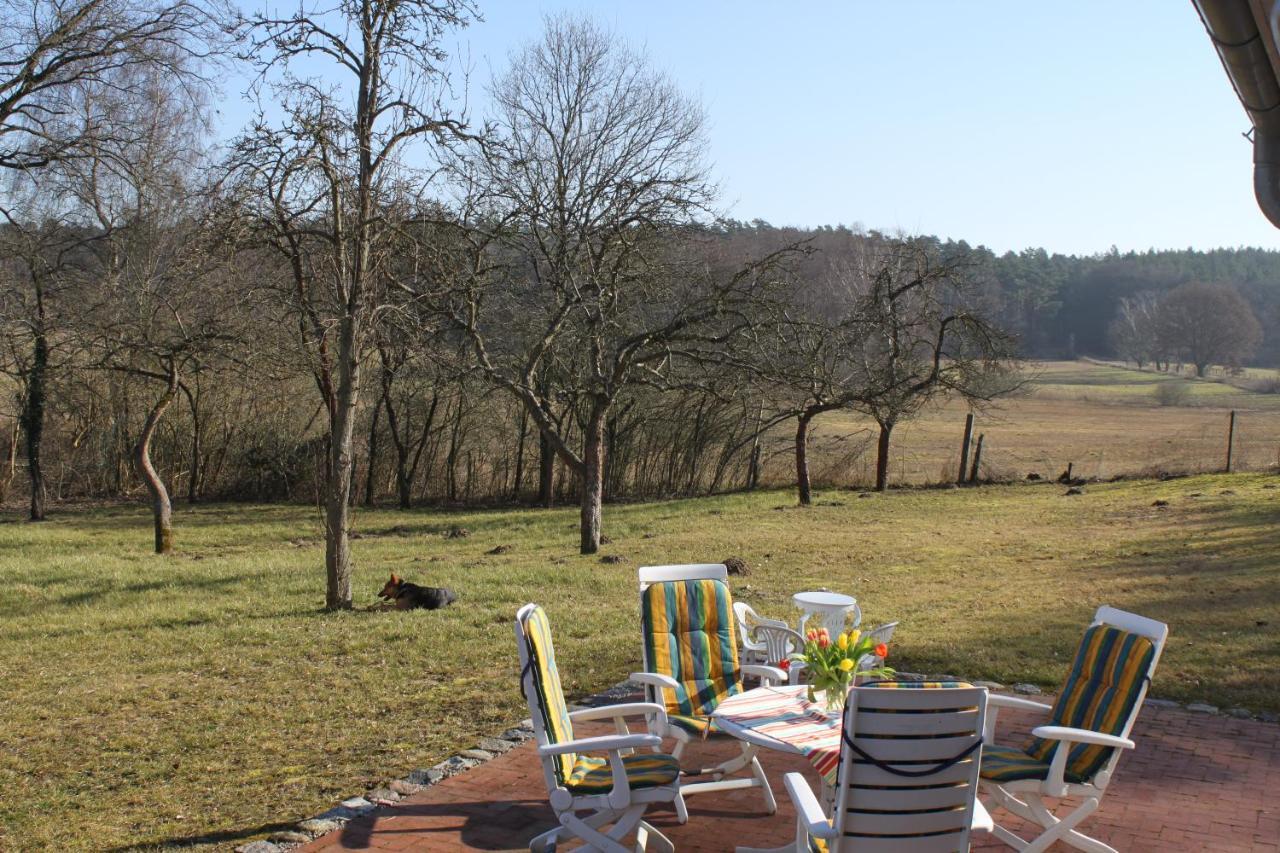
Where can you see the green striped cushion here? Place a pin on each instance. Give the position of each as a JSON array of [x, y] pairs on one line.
[[690, 635], [593, 775], [696, 725], [554, 712], [1009, 764], [1109, 671]]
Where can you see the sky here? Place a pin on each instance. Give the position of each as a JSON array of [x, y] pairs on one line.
[[1072, 126]]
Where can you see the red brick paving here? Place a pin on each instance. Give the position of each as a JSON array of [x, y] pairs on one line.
[[1195, 782]]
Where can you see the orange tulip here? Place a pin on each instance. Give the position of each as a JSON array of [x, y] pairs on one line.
[[881, 650]]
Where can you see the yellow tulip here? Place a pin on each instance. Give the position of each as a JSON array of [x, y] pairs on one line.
[[843, 642], [846, 665], [853, 636]]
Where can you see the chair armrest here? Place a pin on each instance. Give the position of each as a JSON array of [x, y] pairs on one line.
[[1082, 736], [656, 679], [808, 812], [604, 743], [996, 701], [766, 674], [999, 700], [648, 710]]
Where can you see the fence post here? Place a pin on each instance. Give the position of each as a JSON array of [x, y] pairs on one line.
[[977, 459], [1231, 438], [964, 448]]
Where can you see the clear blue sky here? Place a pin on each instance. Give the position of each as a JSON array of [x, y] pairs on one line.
[[1073, 126]]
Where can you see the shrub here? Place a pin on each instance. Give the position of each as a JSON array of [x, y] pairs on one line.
[[1174, 393]]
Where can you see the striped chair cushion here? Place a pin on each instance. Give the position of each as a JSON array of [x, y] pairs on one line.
[[1009, 764], [697, 725], [551, 704], [593, 775], [1100, 693], [818, 845], [690, 635]]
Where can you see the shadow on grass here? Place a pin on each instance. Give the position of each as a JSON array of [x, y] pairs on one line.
[[221, 837]]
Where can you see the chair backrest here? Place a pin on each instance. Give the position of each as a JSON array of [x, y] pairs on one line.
[[690, 635], [1104, 689], [540, 682], [686, 572], [748, 621], [909, 764], [881, 634], [780, 642]]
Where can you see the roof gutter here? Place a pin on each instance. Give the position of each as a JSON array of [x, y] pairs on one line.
[[1243, 48]]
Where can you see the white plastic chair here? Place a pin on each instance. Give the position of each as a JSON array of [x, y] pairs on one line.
[[753, 649], [768, 641], [881, 634], [908, 774], [688, 716], [1072, 756], [615, 792]]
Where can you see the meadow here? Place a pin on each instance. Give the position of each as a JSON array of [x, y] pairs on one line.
[[1105, 420], [204, 698]]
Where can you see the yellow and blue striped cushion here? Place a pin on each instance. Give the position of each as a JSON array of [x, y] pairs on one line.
[[699, 725], [1109, 671], [1009, 764], [555, 713], [593, 775], [690, 635]]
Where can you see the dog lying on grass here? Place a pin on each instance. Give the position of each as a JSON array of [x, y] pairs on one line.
[[410, 596]]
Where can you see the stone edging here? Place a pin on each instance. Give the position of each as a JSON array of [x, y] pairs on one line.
[[490, 747]]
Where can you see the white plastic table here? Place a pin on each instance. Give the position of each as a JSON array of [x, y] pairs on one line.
[[831, 607]]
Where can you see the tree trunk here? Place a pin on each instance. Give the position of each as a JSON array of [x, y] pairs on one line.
[[802, 458], [10, 460], [337, 556], [373, 454], [33, 423], [882, 456], [161, 507], [197, 443], [592, 480], [546, 471], [519, 472]]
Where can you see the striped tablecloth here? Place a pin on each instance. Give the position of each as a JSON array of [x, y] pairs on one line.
[[784, 714]]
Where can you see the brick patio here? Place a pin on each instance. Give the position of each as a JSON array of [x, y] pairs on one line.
[[1195, 782]]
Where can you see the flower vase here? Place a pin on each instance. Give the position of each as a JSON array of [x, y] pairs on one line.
[[834, 692]]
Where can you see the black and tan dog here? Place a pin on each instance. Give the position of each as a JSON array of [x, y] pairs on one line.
[[410, 596]]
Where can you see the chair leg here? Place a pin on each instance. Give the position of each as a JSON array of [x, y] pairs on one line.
[[1033, 810], [645, 833], [770, 804], [588, 830], [546, 842], [682, 810]]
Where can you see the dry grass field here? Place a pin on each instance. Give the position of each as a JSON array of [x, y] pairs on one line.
[[204, 699], [1104, 419]]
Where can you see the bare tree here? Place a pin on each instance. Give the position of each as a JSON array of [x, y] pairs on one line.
[[1208, 324], [918, 338], [53, 49], [156, 315], [330, 189], [580, 292], [1135, 332]]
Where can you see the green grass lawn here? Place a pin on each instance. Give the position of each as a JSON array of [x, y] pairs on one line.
[[204, 697]]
